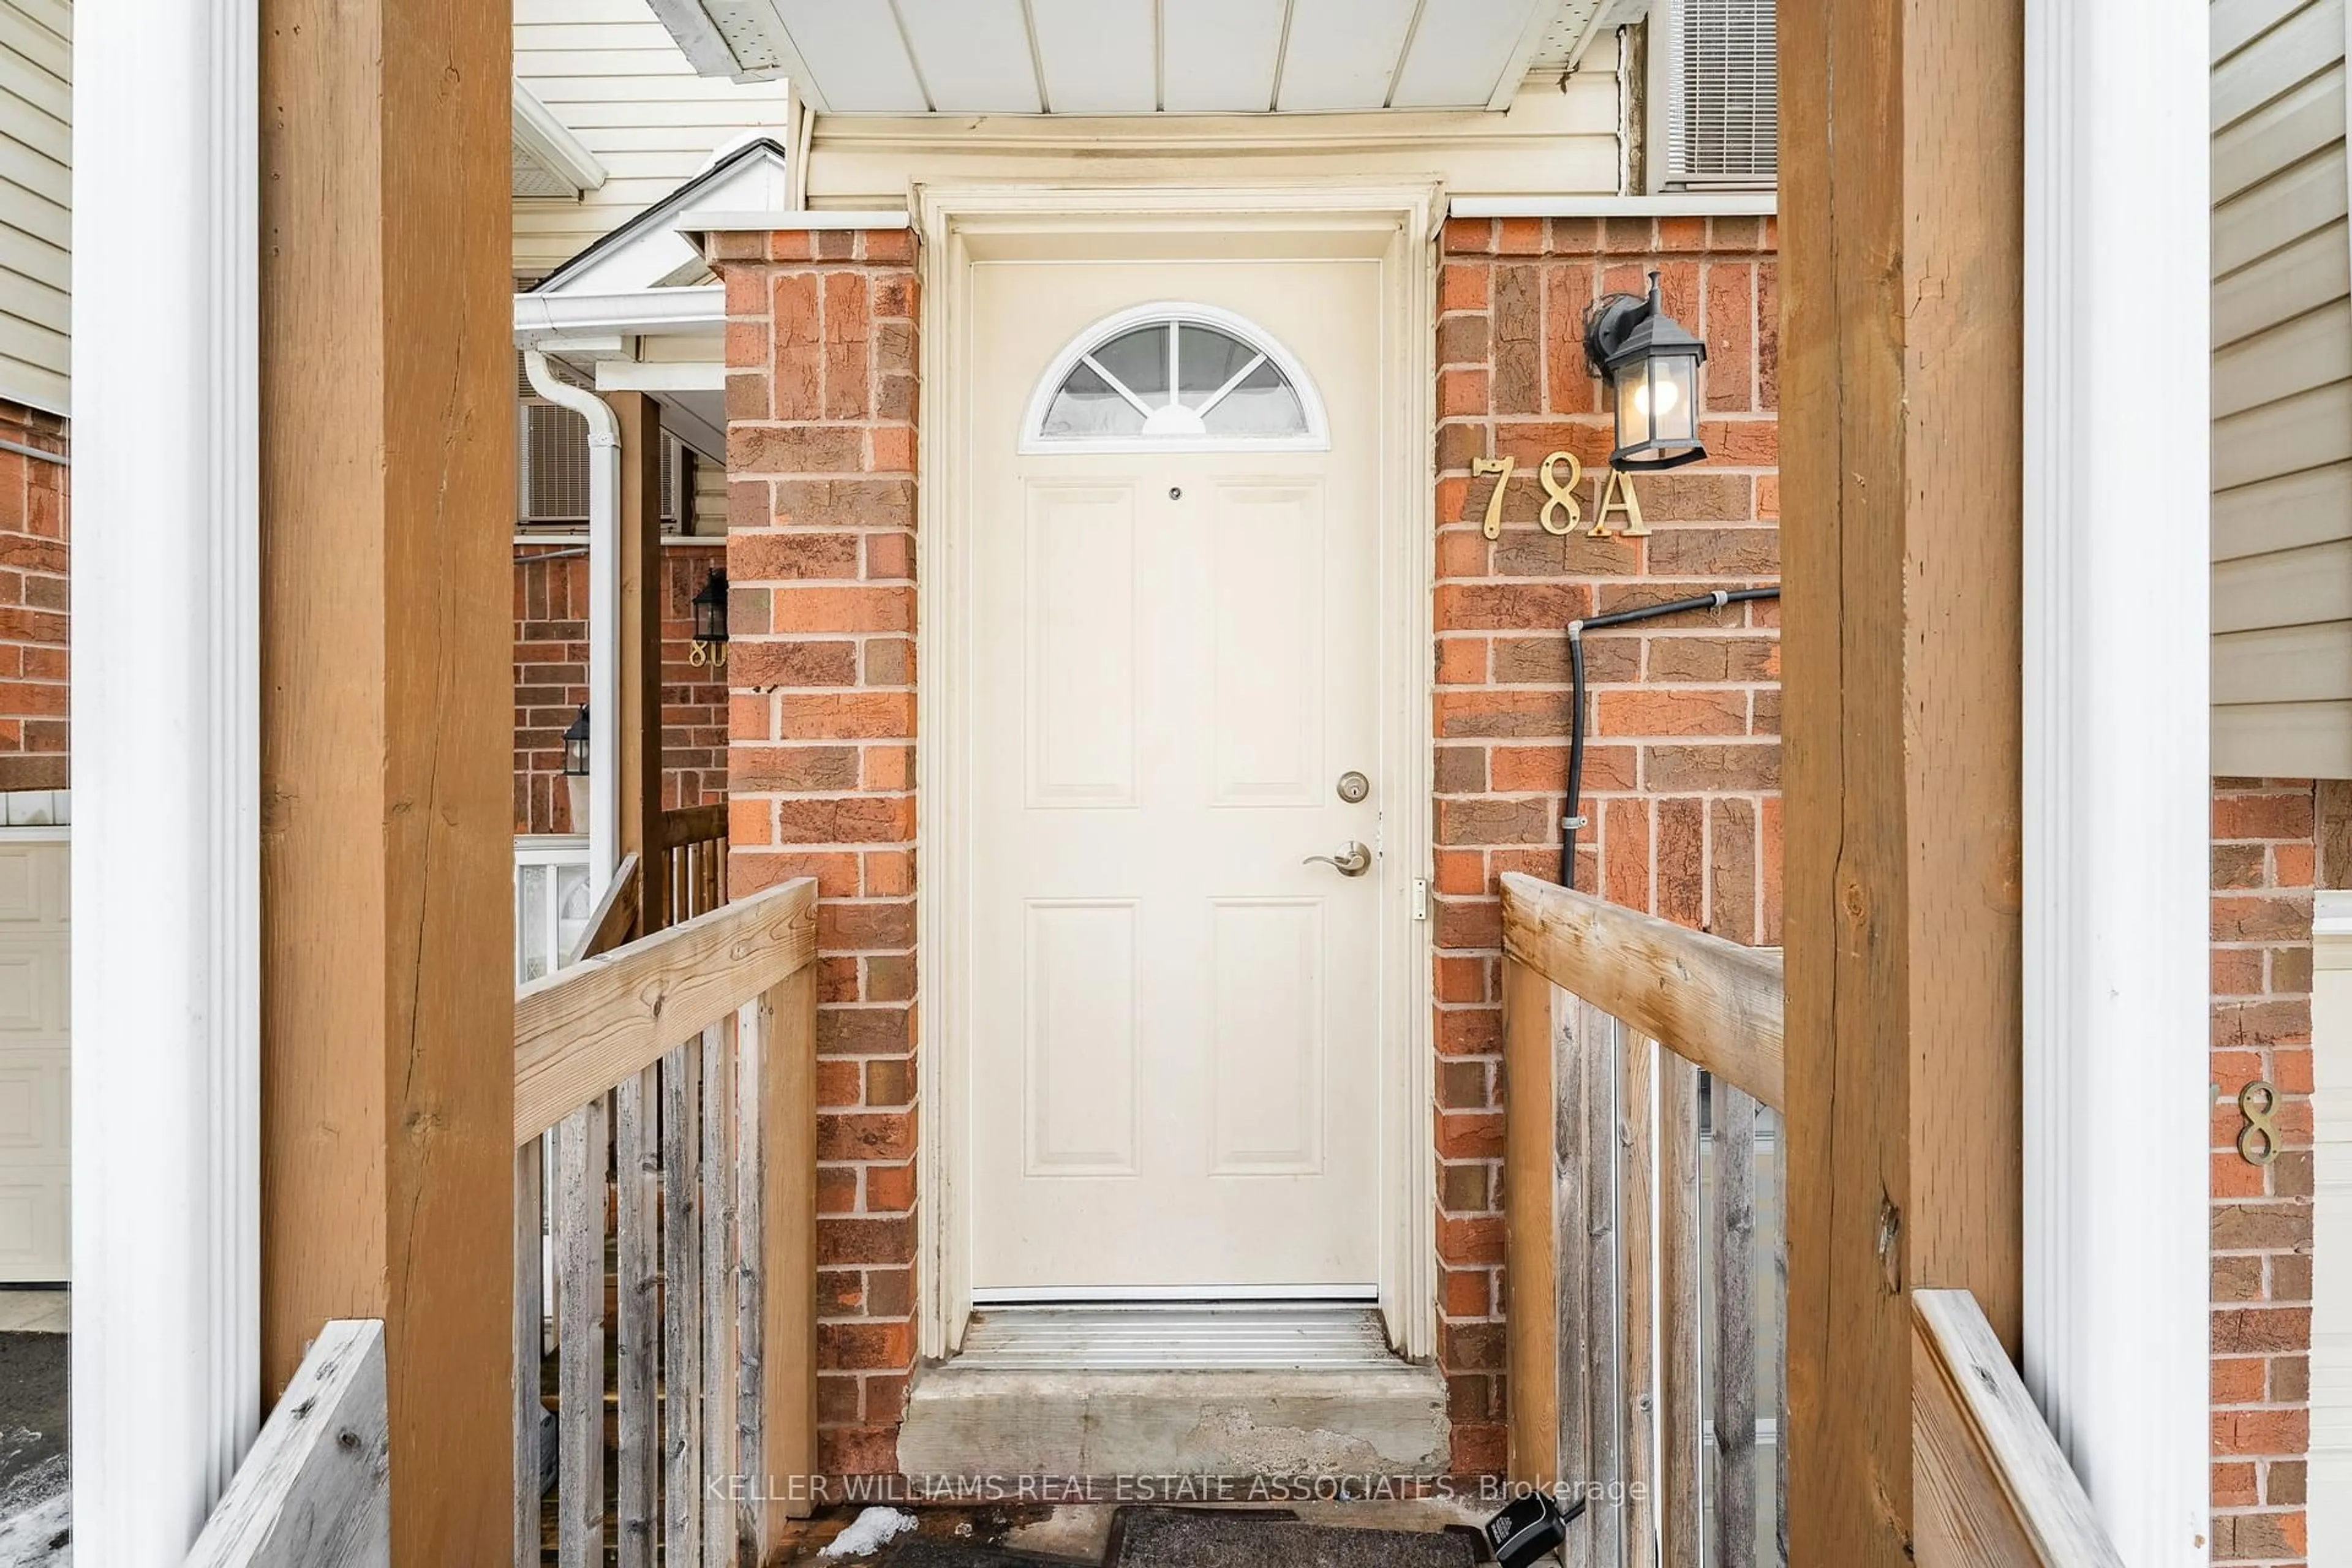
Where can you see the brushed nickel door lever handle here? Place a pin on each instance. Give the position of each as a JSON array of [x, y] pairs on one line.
[[1353, 859]]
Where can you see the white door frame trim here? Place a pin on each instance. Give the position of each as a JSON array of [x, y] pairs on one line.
[[1397, 222], [2117, 793], [166, 709], [2331, 1308]]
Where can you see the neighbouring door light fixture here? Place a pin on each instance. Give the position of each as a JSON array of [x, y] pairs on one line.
[[1651, 362], [576, 746], [576, 770], [710, 620]]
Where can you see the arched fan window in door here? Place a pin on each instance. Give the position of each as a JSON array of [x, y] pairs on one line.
[[1172, 376]]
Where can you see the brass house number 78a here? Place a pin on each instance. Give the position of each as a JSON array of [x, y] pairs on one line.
[[1562, 512]]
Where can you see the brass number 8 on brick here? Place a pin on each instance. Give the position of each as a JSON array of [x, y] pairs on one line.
[[1562, 496]]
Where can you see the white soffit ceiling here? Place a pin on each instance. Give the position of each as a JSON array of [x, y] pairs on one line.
[[1141, 57]]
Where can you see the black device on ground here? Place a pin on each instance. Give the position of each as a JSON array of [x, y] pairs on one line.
[[1529, 1530]]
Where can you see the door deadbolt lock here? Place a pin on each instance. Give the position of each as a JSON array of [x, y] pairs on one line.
[[1354, 787]]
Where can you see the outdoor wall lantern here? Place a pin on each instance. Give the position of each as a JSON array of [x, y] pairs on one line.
[[576, 746], [710, 621], [576, 769], [1651, 363]]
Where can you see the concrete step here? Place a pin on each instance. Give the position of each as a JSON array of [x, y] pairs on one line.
[[1263, 1390]]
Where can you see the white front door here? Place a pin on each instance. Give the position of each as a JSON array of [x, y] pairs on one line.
[[1175, 1057], [34, 1112]]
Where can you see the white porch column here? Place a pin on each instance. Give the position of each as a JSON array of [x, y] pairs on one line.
[[2115, 749], [166, 1369]]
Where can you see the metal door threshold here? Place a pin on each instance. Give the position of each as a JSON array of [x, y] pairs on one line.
[[1177, 1337]]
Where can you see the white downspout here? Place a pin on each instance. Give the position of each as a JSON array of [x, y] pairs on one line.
[[604, 614]]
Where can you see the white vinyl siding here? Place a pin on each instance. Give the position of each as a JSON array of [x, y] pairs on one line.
[[2282, 392], [709, 498], [36, 201], [612, 73]]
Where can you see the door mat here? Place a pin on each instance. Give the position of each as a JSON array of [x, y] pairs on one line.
[[929, 1552], [1213, 1538]]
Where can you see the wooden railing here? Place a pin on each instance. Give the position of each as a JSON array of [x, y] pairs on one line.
[[1992, 1486], [1625, 1206], [1646, 1262], [313, 1490], [693, 847], [670, 1082]]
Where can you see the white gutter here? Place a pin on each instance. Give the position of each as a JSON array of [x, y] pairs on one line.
[[636, 313], [550, 142], [603, 615]]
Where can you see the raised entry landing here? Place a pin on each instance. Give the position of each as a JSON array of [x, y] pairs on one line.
[[1238, 1390]]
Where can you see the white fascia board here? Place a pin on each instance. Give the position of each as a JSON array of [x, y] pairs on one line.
[[638, 312], [1668, 204], [1540, 17], [660, 251], [698, 36], [2331, 915], [691, 428], [660, 375], [722, 220], [551, 144], [742, 39]]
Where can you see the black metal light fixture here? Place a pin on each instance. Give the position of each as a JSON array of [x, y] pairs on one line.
[[576, 746], [1650, 362], [710, 620]]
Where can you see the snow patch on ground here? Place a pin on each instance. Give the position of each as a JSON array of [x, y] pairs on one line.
[[36, 1519], [869, 1532]]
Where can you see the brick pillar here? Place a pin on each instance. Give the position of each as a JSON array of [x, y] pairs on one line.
[[32, 604], [1682, 765], [821, 420], [2264, 853]]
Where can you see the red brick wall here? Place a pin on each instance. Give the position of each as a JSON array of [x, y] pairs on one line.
[[552, 681], [2264, 870], [1682, 780], [1683, 759], [821, 404], [33, 548]]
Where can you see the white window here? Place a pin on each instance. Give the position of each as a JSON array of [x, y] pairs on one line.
[[551, 902], [1716, 94], [1169, 375]]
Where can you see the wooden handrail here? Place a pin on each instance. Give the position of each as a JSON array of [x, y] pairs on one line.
[[1993, 1487], [314, 1489], [1713, 1002], [582, 1030], [608, 928], [692, 825]]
